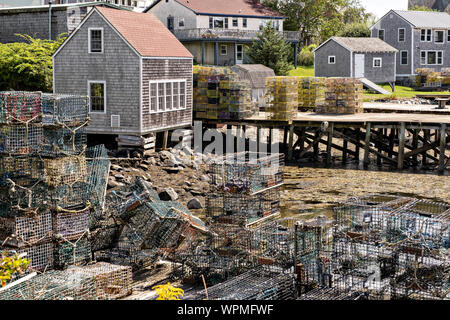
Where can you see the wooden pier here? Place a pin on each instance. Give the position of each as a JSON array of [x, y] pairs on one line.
[[400, 139]]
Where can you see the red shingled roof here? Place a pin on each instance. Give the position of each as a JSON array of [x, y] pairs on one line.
[[230, 7], [145, 33]]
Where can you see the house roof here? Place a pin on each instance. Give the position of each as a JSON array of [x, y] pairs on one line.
[[256, 73], [228, 7], [145, 33], [426, 19], [364, 45], [59, 7]]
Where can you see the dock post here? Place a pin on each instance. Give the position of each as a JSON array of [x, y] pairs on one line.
[[426, 139], [258, 138], [330, 142], [391, 142], [357, 130], [291, 142], [415, 145], [379, 146], [367, 145], [345, 146], [165, 139], [316, 144], [285, 138], [442, 144], [401, 146]]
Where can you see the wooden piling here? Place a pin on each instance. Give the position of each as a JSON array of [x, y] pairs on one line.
[[367, 145], [442, 147], [401, 146], [330, 142], [291, 142]]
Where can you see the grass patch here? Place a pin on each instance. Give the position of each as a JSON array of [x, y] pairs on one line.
[[302, 71], [400, 93]]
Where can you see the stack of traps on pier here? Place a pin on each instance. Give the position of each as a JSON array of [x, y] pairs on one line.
[[281, 98], [101, 281], [219, 93]]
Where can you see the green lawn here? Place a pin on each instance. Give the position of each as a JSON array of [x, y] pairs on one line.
[[302, 72], [400, 92]]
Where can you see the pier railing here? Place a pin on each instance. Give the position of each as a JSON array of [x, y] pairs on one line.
[[227, 34]]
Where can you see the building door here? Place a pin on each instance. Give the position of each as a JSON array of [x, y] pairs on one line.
[[359, 65], [170, 23], [239, 54]]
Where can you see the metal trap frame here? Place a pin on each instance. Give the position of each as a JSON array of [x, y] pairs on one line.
[[72, 252], [111, 281], [71, 223], [20, 139], [20, 107], [64, 109], [255, 284], [23, 170], [52, 285], [247, 172]]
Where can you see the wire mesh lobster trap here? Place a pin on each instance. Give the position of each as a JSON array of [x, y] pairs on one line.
[[23, 170], [255, 284], [52, 285], [19, 139], [64, 109], [41, 255], [71, 223], [241, 208], [98, 166], [111, 281], [247, 172], [63, 140], [72, 252], [26, 230], [20, 107], [65, 170], [16, 200]]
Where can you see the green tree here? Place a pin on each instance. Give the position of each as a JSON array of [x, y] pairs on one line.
[[420, 8], [359, 30], [271, 50], [28, 65]]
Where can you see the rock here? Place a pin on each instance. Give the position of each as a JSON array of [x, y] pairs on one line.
[[168, 194], [194, 204], [119, 176], [113, 184], [188, 183], [143, 166], [173, 170], [205, 178], [116, 167], [196, 192]]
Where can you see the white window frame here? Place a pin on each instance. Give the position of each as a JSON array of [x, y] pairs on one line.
[[407, 57], [334, 59], [437, 58], [104, 96], [378, 59], [404, 34], [384, 34], [427, 32], [244, 22], [157, 82], [237, 22], [181, 20], [226, 50], [89, 40], [443, 36]]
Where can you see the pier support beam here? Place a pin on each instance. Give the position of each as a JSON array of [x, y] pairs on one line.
[[442, 145], [401, 147], [291, 142], [367, 145], [330, 142]]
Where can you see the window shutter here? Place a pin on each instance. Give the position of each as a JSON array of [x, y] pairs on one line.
[[115, 121]]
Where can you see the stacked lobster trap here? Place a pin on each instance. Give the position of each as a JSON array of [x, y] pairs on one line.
[[311, 93], [281, 98], [219, 93], [392, 248], [147, 229], [49, 187], [342, 96]]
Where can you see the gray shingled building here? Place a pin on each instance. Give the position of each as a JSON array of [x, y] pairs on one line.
[[422, 39], [368, 58]]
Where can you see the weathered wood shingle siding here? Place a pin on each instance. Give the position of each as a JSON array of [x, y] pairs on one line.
[[379, 75], [118, 65], [391, 25], [419, 46], [164, 9], [165, 69], [342, 66]]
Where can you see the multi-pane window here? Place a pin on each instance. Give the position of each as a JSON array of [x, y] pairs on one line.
[[431, 57], [403, 57], [439, 36], [181, 23], [97, 96], [381, 34], [425, 35], [223, 50], [244, 23], [401, 35], [218, 23], [167, 95], [331, 59], [153, 97], [235, 22], [95, 40]]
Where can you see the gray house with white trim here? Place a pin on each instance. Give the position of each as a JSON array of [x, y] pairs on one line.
[[368, 58], [137, 74], [421, 37]]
